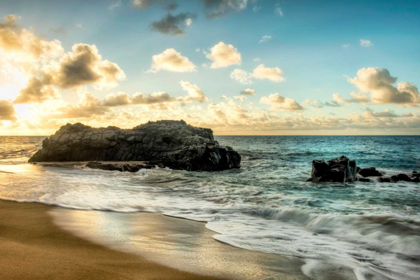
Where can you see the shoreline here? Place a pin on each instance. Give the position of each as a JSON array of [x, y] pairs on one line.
[[44, 241], [33, 247]]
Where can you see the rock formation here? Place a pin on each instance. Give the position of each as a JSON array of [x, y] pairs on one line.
[[343, 170], [339, 169], [173, 144]]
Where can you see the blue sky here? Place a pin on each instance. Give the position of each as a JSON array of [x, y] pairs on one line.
[[316, 44]]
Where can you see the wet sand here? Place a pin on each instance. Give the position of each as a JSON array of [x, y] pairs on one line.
[[33, 247], [45, 242]]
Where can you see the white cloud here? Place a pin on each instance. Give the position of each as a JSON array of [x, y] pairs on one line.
[[278, 10], [241, 76], [256, 8], [256, 59], [278, 102], [240, 97], [319, 104], [114, 5], [265, 38], [171, 60], [379, 84], [365, 43], [354, 98], [217, 8], [272, 74], [194, 93], [224, 55], [345, 46], [260, 72], [188, 21]]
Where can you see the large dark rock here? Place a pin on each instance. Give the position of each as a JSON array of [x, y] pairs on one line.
[[340, 169], [370, 172], [172, 144]]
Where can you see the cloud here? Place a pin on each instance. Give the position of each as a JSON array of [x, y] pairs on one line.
[[265, 38], [153, 98], [272, 74], [369, 113], [278, 10], [142, 4], [365, 43], [319, 104], [36, 92], [224, 55], [114, 5], [354, 98], [18, 40], [256, 59], [118, 99], [84, 65], [88, 106], [345, 46], [171, 60], [241, 76], [247, 91], [194, 93], [240, 97], [145, 4], [217, 8], [278, 102], [173, 24], [256, 8], [7, 111], [379, 84]]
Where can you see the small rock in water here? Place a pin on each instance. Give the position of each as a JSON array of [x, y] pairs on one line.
[[370, 172], [342, 169], [130, 167]]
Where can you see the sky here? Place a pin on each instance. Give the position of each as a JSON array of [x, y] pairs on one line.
[[239, 67]]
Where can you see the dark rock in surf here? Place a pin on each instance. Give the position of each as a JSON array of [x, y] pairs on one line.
[[115, 166], [173, 144], [340, 169], [363, 179], [370, 172], [413, 177]]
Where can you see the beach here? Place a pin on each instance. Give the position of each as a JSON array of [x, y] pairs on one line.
[[34, 247]]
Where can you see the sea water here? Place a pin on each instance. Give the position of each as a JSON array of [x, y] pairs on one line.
[[372, 229]]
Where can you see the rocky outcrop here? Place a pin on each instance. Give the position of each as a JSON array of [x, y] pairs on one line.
[[173, 144], [343, 170], [340, 169]]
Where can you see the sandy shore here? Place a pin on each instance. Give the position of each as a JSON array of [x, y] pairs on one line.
[[32, 247]]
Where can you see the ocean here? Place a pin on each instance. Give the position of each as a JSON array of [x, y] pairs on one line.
[[371, 229]]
